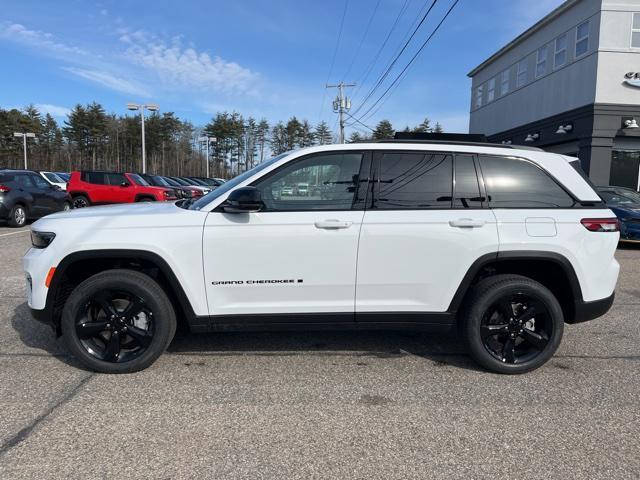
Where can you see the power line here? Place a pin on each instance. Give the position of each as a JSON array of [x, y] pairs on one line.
[[398, 77], [397, 57], [364, 36], [335, 54]]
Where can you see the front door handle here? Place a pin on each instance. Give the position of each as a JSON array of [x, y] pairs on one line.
[[466, 223], [332, 224]]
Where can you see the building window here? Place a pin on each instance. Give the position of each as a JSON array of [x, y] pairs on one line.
[[479, 92], [504, 82], [521, 78], [541, 61], [560, 56], [635, 31], [491, 90], [582, 39]]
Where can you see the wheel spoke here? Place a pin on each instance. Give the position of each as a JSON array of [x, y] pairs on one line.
[[490, 330], [527, 315], [506, 309], [134, 308], [112, 352], [104, 302], [538, 340], [508, 350], [90, 329], [143, 337]]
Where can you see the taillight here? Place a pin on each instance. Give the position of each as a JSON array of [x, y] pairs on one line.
[[196, 193], [601, 224], [4, 189]]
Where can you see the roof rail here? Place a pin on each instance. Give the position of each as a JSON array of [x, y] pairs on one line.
[[454, 142]]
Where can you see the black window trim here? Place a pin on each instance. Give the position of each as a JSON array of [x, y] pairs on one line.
[[357, 204]]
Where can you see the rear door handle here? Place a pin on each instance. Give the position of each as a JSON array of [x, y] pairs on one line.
[[332, 224], [466, 223]]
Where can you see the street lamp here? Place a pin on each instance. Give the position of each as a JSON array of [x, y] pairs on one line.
[[152, 107], [24, 143], [208, 139]]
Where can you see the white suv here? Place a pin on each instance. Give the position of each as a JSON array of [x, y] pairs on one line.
[[506, 244]]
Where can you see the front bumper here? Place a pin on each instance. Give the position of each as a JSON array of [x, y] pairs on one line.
[[585, 311]]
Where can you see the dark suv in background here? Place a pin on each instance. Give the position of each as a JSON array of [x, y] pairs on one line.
[[25, 194]]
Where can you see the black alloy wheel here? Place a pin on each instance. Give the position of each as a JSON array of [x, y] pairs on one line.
[[115, 326], [512, 324], [516, 328], [81, 202]]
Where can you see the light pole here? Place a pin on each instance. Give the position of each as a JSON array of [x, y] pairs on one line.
[[208, 139], [152, 107], [24, 136]]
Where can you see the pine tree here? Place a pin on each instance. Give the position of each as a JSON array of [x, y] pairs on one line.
[[323, 134], [424, 127], [384, 130]]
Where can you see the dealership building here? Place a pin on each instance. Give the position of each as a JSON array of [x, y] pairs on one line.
[[569, 84]]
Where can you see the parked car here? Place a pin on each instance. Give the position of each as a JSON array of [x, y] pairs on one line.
[[302, 189], [99, 188], [54, 179], [210, 182], [25, 194], [181, 191], [286, 191], [188, 183], [625, 203], [64, 176], [516, 247]]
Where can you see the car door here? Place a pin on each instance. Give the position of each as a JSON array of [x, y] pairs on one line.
[[29, 194], [120, 188], [45, 194], [296, 256], [426, 225], [98, 188]]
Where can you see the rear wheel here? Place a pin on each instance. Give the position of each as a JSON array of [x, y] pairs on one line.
[[512, 324], [81, 201], [119, 321], [145, 199], [18, 216]]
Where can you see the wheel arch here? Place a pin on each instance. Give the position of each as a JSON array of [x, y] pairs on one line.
[[78, 266], [551, 269], [144, 196]]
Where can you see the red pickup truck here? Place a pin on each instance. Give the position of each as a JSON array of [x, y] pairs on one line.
[[100, 188]]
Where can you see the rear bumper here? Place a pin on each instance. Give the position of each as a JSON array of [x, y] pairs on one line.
[[585, 311]]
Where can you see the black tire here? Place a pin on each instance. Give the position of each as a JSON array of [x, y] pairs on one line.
[[80, 201], [109, 337], [66, 206], [18, 216], [145, 199], [515, 342]]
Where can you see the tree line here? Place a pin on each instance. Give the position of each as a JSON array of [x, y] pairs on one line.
[[92, 139]]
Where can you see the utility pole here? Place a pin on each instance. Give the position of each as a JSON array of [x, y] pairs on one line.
[[24, 143], [152, 107], [208, 139], [341, 104]]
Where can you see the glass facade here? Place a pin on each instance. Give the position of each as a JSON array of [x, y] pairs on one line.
[[625, 168]]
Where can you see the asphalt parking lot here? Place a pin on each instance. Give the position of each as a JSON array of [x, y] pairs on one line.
[[320, 405]]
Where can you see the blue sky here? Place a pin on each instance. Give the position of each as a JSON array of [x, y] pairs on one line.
[[262, 58]]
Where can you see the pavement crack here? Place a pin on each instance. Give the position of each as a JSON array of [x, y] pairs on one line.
[[23, 434]]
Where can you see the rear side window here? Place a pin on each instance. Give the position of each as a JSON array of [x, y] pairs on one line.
[[6, 178], [97, 178], [517, 183], [23, 180], [466, 188], [413, 181]]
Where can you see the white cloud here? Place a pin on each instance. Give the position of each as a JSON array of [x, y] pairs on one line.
[[182, 67], [54, 110], [18, 33], [110, 81]]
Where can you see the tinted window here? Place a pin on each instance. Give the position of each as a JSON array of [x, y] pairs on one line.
[[466, 188], [413, 180], [517, 183], [138, 179], [319, 182], [96, 177], [39, 181], [22, 181], [6, 177], [116, 179]]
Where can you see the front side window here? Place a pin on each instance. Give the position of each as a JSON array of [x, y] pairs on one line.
[[39, 181], [521, 79], [466, 190], [504, 82], [635, 31], [116, 179], [479, 92], [413, 180], [541, 61], [491, 90], [582, 39], [326, 181], [560, 55], [517, 183]]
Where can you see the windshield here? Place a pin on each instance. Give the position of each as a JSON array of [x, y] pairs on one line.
[[139, 180], [159, 181], [53, 177], [231, 184]]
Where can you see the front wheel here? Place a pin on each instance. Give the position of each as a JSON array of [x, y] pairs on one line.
[[512, 324], [118, 321]]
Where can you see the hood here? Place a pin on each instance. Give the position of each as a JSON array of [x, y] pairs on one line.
[[118, 210]]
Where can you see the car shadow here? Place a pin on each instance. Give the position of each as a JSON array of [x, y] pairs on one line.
[[439, 348]]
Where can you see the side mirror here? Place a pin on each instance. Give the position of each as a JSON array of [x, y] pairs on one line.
[[244, 200], [56, 188], [124, 184]]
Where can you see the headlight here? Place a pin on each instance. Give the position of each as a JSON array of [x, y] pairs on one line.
[[41, 239]]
